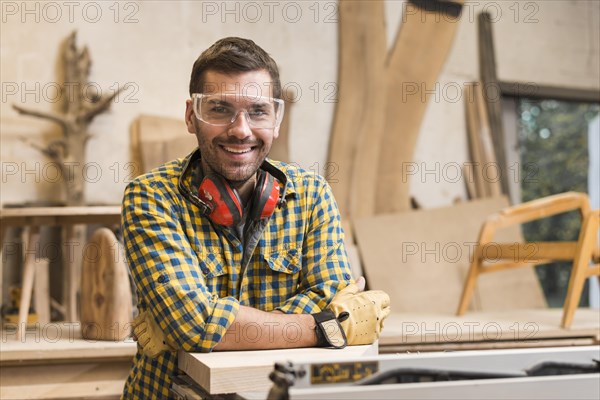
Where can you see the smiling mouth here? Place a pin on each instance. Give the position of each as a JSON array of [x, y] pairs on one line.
[[238, 150]]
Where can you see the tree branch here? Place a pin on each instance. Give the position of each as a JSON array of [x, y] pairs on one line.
[[53, 150], [52, 117], [101, 106]]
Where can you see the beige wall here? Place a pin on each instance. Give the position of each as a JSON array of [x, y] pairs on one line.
[[152, 45]]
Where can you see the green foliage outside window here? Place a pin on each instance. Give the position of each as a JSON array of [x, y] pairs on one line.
[[553, 144]]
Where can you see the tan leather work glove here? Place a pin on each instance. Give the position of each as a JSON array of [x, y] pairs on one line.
[[366, 313], [353, 317], [149, 335]]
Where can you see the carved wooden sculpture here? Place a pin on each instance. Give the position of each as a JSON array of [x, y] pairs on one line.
[[80, 109]]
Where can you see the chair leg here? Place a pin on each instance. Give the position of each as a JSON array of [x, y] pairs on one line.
[[581, 268], [485, 236], [469, 286]]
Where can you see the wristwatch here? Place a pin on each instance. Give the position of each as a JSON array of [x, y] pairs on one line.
[[328, 329]]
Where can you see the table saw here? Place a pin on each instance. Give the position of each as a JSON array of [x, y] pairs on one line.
[[357, 373]]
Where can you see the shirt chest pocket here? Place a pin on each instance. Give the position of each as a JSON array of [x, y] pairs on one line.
[[279, 276], [285, 261]]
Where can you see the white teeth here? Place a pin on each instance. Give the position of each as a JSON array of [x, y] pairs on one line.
[[237, 151]]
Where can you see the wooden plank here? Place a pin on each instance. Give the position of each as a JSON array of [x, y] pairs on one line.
[[544, 207], [74, 238], [490, 163], [359, 110], [41, 290], [370, 106], [531, 252], [236, 371], [59, 343], [111, 389], [529, 325], [3, 235], [469, 174], [156, 140], [31, 242], [53, 216], [492, 94], [475, 146], [352, 249], [487, 345], [280, 150], [69, 372], [415, 62], [105, 304], [83, 211], [421, 258]]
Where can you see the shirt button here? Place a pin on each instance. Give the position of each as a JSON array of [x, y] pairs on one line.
[[347, 276], [162, 279]]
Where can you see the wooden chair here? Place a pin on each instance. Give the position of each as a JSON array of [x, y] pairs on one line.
[[514, 255]]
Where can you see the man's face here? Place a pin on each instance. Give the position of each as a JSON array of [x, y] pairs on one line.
[[234, 151]]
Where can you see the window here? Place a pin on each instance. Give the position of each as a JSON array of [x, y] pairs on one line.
[[551, 143]]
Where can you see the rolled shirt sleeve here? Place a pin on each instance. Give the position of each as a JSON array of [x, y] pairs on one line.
[[167, 273]]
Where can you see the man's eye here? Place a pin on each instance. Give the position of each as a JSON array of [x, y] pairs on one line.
[[220, 110], [258, 112]]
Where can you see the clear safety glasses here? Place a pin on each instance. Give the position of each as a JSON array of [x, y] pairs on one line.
[[222, 109]]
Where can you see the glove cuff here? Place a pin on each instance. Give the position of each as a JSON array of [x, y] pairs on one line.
[[329, 331]]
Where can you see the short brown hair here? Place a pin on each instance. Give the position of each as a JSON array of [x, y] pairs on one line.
[[234, 55]]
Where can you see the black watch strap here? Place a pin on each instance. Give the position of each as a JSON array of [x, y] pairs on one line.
[[329, 331]]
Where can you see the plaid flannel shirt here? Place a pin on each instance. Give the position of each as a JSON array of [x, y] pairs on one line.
[[187, 270]]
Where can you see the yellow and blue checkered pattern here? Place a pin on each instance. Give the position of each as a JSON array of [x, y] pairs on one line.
[[187, 270]]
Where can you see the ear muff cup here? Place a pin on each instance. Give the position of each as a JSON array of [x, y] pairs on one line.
[[265, 196], [225, 205], [222, 200]]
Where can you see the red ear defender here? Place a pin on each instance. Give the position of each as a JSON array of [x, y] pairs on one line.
[[265, 197], [223, 201], [225, 205]]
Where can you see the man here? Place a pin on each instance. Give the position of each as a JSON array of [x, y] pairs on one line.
[[231, 251]]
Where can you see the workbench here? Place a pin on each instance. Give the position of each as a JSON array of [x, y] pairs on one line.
[[32, 219], [55, 362], [528, 328]]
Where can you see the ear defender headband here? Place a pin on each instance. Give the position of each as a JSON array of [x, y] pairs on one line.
[[225, 206]]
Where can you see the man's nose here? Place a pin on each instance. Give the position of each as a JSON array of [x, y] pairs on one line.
[[240, 128]]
